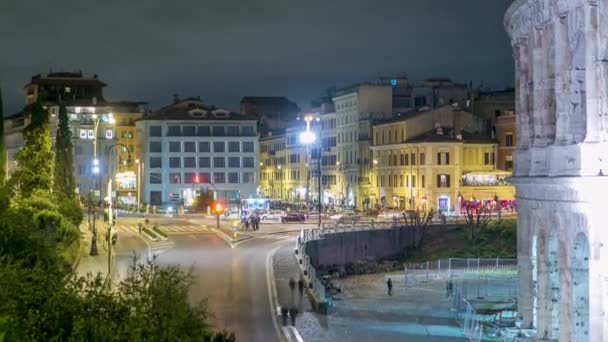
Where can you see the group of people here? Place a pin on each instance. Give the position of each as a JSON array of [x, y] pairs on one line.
[[252, 221]]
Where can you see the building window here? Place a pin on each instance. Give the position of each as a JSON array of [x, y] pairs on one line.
[[189, 177], [488, 158], [509, 139], [248, 131], [413, 181], [130, 134], [174, 131], [509, 165], [189, 146], [203, 131], [188, 131], [248, 146], [248, 178], [233, 131], [156, 131], [83, 133], [234, 146], [204, 162], [175, 178], [422, 182], [406, 159], [248, 162], [156, 162], [123, 149], [174, 162], [219, 178], [175, 146], [219, 146], [413, 158], [422, 160], [219, 162], [443, 158], [233, 177], [174, 196], [234, 162], [190, 162], [123, 135], [443, 181], [156, 197], [156, 147], [204, 147], [155, 178], [90, 134], [78, 150], [131, 148], [218, 131], [204, 177]]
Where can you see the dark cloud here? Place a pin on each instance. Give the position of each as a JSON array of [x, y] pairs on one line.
[[222, 50]]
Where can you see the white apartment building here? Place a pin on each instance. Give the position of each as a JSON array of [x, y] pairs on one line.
[[188, 147], [356, 107]]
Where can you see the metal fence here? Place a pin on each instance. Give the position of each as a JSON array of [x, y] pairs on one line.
[[443, 269]]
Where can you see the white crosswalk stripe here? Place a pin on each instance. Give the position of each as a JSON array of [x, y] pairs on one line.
[[157, 247], [169, 229]]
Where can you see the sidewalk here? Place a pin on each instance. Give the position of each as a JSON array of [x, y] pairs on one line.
[[87, 263], [364, 311]]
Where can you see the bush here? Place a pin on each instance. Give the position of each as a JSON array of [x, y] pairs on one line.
[[71, 210], [159, 231]]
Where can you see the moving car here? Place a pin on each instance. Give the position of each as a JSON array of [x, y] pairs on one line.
[[295, 217]]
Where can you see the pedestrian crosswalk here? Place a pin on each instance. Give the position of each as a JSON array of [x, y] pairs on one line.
[[279, 237], [157, 247], [170, 228]]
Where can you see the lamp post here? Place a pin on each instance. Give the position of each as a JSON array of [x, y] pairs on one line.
[[96, 172], [339, 165], [308, 138], [280, 183]]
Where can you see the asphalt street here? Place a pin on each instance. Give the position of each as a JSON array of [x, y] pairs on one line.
[[233, 278]]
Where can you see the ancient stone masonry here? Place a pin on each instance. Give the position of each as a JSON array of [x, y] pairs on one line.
[[560, 51]]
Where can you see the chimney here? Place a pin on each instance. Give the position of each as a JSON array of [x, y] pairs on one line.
[[175, 98]]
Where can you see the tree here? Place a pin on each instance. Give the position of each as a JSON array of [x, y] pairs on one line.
[[419, 221], [2, 145], [477, 218], [35, 160], [63, 182]]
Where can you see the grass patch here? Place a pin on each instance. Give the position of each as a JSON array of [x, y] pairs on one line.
[[150, 233], [498, 240], [159, 231]]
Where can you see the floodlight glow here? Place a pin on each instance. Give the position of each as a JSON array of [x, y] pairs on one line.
[[95, 169], [95, 161], [307, 137]]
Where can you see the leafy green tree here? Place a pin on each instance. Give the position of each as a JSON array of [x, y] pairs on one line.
[[2, 145], [35, 160], [63, 182]]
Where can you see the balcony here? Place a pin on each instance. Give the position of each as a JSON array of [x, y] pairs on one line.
[[474, 179]]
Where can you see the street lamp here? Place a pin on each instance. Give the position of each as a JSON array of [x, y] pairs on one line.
[[280, 182], [308, 138]]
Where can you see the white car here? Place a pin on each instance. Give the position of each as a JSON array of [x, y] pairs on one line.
[[273, 215]]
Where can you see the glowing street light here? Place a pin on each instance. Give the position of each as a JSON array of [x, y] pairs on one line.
[[375, 161]]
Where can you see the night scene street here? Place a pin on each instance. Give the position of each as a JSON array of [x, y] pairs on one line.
[[344, 170]]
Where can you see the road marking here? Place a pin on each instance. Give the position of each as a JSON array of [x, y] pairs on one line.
[[297, 334], [224, 237], [272, 293]]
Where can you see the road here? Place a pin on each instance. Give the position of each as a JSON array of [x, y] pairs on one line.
[[232, 278]]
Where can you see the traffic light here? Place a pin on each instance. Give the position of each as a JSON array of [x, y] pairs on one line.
[[219, 209], [196, 180]]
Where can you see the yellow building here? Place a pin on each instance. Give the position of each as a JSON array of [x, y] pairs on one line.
[[128, 167], [272, 162], [440, 167]]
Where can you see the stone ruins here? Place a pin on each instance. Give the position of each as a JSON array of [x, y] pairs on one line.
[[560, 48]]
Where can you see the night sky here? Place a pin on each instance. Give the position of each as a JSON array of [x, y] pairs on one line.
[[225, 49]]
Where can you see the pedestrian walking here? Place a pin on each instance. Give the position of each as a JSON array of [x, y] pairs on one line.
[[389, 285], [246, 224], [139, 226], [450, 287], [257, 222]]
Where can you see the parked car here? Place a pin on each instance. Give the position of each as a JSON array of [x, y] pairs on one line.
[[275, 215], [294, 217]]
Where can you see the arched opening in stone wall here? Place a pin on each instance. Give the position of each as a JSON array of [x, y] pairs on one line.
[[534, 260], [553, 268], [580, 288]]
